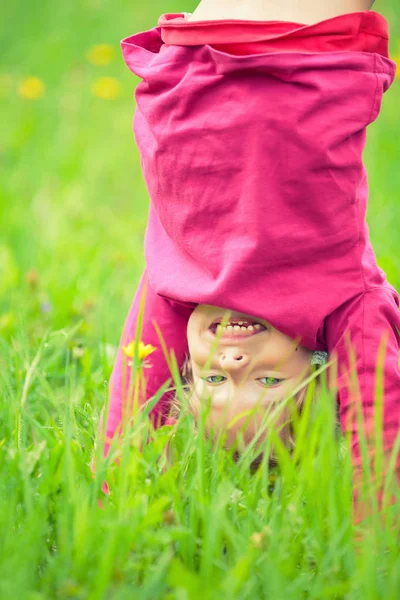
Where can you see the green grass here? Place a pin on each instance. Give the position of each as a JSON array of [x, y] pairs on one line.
[[73, 210]]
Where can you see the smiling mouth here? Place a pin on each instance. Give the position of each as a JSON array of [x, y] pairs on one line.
[[237, 328]]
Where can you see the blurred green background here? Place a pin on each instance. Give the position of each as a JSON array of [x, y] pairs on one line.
[[73, 204]]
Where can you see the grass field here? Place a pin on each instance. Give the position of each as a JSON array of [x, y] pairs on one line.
[[73, 210]]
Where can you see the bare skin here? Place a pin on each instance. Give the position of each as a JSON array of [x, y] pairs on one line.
[[251, 369], [297, 11]]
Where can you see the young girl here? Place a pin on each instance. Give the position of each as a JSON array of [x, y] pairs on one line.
[[250, 123]]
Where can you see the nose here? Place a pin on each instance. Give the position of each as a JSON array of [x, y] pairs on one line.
[[233, 360]]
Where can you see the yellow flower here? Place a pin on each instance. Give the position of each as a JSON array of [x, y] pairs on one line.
[[101, 54], [31, 88], [106, 88], [144, 350]]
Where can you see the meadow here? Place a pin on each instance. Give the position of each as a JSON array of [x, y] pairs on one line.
[[73, 209]]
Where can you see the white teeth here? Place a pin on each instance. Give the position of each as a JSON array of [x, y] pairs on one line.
[[239, 326]]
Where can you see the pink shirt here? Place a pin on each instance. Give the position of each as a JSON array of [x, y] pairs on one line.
[[253, 164]]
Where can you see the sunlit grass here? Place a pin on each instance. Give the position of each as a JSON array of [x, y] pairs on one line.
[[184, 517]]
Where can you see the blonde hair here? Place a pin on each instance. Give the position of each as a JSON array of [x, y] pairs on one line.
[[287, 437]]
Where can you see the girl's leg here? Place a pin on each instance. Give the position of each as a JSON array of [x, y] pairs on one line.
[[300, 11]]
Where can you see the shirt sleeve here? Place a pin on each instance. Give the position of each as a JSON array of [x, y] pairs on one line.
[[361, 334], [172, 319]]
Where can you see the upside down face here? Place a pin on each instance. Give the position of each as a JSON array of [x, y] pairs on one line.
[[254, 367]]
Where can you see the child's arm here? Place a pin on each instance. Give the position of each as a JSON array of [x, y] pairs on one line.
[[172, 320], [370, 320]]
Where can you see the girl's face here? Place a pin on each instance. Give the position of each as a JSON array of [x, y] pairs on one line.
[[251, 369]]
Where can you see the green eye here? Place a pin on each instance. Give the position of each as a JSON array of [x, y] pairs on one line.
[[271, 381], [216, 378]]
